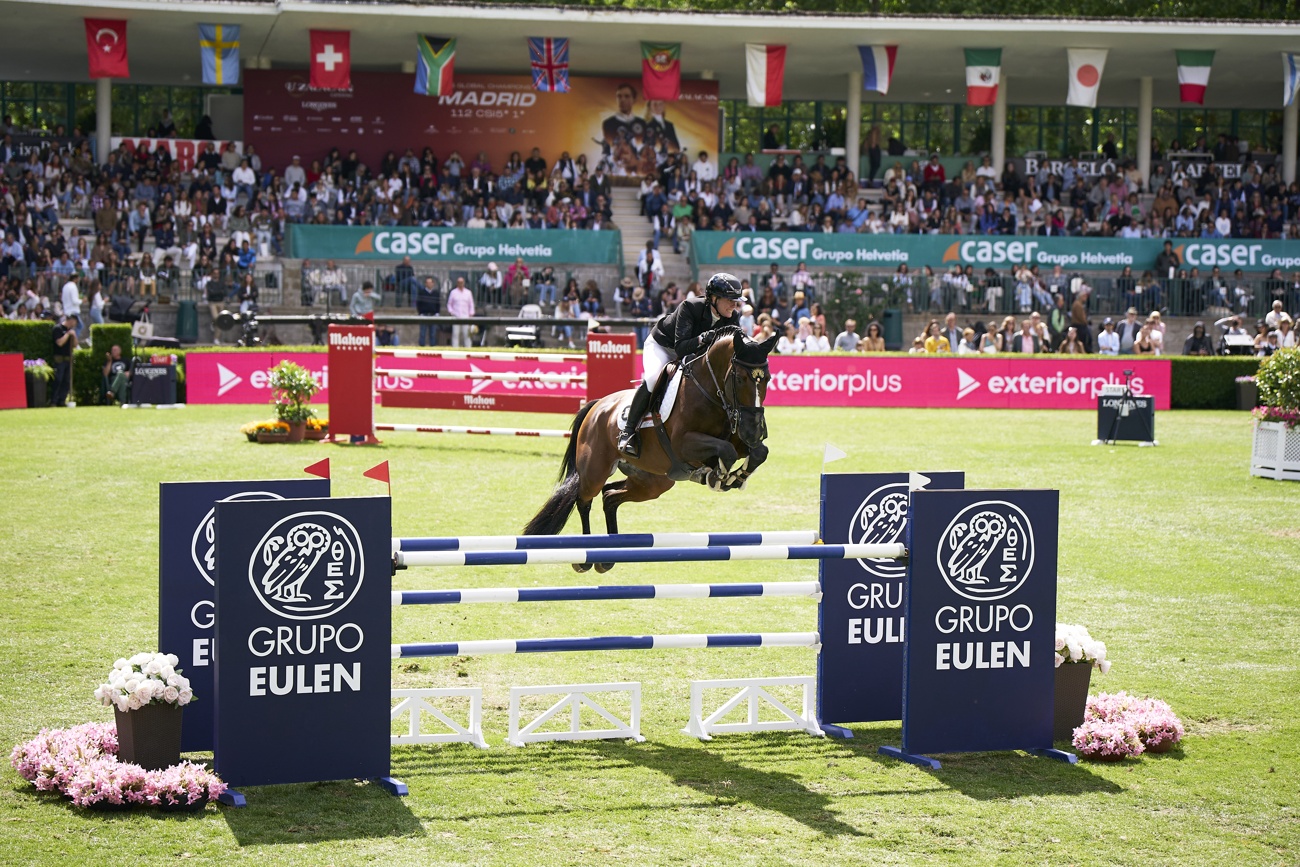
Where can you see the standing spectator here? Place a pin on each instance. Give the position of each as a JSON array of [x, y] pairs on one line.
[[545, 285], [460, 304], [333, 279], [404, 281], [951, 331], [650, 272], [1128, 331], [1026, 342], [362, 305], [65, 340], [1079, 315], [490, 284], [640, 308], [71, 297], [848, 339], [1168, 262], [517, 279], [428, 302], [1108, 339]]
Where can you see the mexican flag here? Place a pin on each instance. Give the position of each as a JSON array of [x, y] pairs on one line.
[[1193, 75], [661, 70], [983, 71]]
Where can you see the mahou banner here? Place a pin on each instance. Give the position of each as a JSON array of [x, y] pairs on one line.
[[497, 114]]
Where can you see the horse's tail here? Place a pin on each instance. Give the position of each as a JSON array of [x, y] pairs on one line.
[[554, 514]]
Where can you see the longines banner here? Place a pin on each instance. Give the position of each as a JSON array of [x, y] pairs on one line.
[[851, 250], [455, 245], [496, 114]]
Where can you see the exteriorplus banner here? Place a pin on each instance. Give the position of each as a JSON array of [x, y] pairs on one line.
[[603, 118], [851, 250], [455, 245]]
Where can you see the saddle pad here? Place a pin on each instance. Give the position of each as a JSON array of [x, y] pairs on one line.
[[665, 408]]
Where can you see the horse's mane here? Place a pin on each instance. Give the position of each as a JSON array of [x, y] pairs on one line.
[[746, 351]]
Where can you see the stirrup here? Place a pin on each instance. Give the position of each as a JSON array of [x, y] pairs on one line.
[[630, 444]]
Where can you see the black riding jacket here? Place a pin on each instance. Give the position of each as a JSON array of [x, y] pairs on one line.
[[680, 330]]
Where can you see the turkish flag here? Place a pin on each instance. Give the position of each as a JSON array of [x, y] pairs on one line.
[[106, 46], [331, 60]]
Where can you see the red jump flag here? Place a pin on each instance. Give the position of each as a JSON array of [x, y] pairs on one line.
[[331, 60], [106, 48], [321, 468], [379, 473]]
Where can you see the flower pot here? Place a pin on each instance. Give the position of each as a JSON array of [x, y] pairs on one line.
[[150, 737], [315, 434], [297, 430], [1072, 680], [1247, 395], [181, 806], [1162, 747], [252, 437], [1101, 757], [1275, 451], [265, 437], [37, 391]]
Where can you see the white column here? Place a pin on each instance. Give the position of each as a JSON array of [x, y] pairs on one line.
[[998, 126], [1144, 130], [1289, 115], [103, 117], [853, 124]]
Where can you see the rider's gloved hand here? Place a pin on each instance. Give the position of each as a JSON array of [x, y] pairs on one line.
[[706, 338]]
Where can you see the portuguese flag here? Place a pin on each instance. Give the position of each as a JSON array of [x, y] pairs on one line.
[[661, 70], [1194, 75], [983, 71]]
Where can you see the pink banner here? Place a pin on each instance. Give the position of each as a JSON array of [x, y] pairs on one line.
[[1004, 381]]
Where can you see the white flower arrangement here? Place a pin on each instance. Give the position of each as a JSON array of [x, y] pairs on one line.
[[146, 678], [1075, 645]]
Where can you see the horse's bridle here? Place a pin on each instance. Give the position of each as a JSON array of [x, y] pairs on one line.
[[736, 371]]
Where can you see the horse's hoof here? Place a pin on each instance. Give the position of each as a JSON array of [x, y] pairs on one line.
[[581, 567], [602, 568]]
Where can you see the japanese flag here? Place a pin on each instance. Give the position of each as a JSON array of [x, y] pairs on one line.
[[1086, 65]]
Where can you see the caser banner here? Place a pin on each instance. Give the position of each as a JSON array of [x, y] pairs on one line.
[[850, 250], [438, 244]]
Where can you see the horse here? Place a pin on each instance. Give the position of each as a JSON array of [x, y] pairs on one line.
[[717, 420]]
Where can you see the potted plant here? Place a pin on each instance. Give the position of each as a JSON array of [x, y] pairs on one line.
[[39, 375], [250, 430], [1275, 449], [317, 428], [1077, 654], [272, 431], [292, 388], [147, 693]]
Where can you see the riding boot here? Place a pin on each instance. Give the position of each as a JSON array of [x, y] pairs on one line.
[[628, 441]]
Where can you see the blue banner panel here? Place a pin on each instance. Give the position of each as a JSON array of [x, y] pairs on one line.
[[186, 577], [981, 613], [860, 619], [304, 625]]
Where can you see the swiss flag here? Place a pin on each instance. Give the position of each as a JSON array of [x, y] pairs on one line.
[[331, 60], [106, 47]]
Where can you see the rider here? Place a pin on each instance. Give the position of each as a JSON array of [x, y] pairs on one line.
[[687, 329]]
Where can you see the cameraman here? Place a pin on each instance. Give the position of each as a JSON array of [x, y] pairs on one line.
[[65, 340]]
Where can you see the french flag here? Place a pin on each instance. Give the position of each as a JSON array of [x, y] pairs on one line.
[[765, 81], [877, 66]]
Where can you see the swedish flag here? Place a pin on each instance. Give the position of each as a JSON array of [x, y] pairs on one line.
[[219, 46]]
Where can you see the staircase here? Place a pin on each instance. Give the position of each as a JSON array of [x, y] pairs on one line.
[[637, 230]]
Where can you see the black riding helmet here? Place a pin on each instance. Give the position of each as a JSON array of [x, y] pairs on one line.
[[723, 285]]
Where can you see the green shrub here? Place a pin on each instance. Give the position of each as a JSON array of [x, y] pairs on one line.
[[104, 337], [33, 338], [1208, 383], [1279, 379]]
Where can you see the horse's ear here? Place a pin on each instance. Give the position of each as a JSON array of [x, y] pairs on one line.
[[768, 345]]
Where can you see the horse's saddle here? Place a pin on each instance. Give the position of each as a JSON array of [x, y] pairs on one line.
[[663, 398]]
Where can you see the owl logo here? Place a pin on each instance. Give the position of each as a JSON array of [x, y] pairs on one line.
[[987, 551], [308, 566], [881, 519], [203, 544]]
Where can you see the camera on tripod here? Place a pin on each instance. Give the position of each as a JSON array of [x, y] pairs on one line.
[[247, 323]]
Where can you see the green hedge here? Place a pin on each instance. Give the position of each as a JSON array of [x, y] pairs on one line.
[[1208, 383], [33, 338]]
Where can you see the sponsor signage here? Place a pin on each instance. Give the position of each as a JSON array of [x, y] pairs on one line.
[[183, 151], [612, 364], [13, 381], [818, 250], [245, 377], [1096, 168], [187, 578], [436, 244], [979, 669], [303, 626], [1124, 417], [351, 355], [495, 114], [860, 619]]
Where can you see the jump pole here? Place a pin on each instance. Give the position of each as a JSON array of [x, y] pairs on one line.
[[563, 556], [811, 589], [617, 540], [615, 642]]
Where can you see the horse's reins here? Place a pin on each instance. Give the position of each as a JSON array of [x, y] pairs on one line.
[[732, 409]]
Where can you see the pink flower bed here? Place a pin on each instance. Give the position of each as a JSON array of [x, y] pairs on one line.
[[82, 764], [1120, 725]]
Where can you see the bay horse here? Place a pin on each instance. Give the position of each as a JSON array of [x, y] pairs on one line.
[[716, 421]]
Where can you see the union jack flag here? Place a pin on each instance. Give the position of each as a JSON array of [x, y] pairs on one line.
[[550, 62]]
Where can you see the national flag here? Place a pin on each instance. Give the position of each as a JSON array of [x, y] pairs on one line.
[[106, 48], [331, 60], [1193, 75], [877, 66], [983, 72], [219, 49], [766, 67], [321, 468], [550, 61], [1086, 66], [661, 70], [435, 65], [1290, 77]]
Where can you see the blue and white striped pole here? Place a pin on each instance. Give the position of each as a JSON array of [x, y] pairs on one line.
[[616, 642], [619, 540], [592, 594], [649, 555]]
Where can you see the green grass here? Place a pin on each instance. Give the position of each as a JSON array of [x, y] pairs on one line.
[[1174, 556]]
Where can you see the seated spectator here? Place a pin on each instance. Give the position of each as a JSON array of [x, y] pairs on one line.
[[1026, 341], [1108, 339], [362, 305], [1071, 344], [117, 376], [848, 339], [1198, 342]]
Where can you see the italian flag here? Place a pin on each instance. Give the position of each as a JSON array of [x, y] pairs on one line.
[[983, 71], [1193, 75], [766, 67]]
